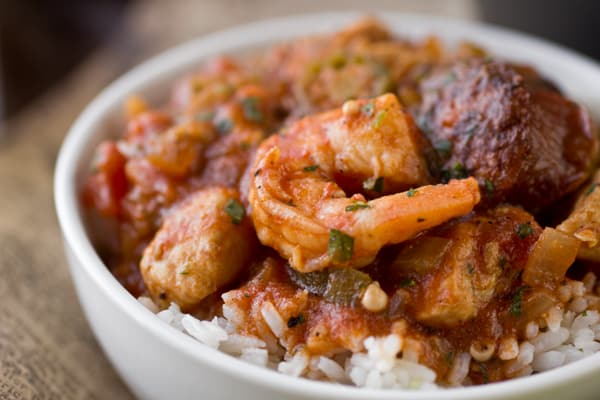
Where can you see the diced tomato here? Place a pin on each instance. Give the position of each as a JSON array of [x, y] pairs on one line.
[[104, 189], [146, 124]]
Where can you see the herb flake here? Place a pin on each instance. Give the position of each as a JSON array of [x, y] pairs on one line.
[[516, 303], [443, 147], [311, 168], [359, 205], [449, 357], [235, 211], [411, 192], [224, 126], [251, 110], [489, 187], [524, 230], [460, 171], [295, 321], [204, 116], [408, 282], [367, 109], [591, 189], [484, 372], [470, 268], [341, 246], [338, 61], [469, 132], [503, 262], [379, 118]]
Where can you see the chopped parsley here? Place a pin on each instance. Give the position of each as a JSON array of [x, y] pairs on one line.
[[470, 268], [224, 89], [184, 271], [411, 192], [251, 110], [449, 357], [314, 69], [367, 109], [444, 147], [338, 61], [205, 116], [424, 122], [408, 282], [310, 168], [484, 372], [516, 303], [374, 184], [341, 246], [451, 77], [359, 205], [236, 211], [379, 118], [503, 262], [489, 187], [469, 132], [295, 321], [224, 126], [524, 230], [445, 175], [460, 171], [591, 189]]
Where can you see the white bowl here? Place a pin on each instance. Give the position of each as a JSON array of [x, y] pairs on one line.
[[159, 362]]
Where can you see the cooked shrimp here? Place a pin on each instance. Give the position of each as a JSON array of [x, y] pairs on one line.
[[200, 247], [298, 191]]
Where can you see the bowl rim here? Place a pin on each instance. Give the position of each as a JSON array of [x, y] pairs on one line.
[[190, 53]]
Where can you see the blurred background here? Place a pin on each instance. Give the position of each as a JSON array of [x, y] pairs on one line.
[[42, 42]]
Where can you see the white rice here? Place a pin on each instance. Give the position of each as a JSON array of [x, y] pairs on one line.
[[295, 366], [207, 332], [459, 369], [273, 319], [255, 356], [563, 335], [332, 370]]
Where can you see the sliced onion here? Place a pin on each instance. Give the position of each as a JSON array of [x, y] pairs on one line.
[[593, 254], [553, 254], [421, 256], [536, 303]]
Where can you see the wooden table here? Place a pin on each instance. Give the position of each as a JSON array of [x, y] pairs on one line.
[[47, 350]]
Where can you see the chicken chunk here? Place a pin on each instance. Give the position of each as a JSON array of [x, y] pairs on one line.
[[525, 142], [480, 257], [584, 221], [202, 246]]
